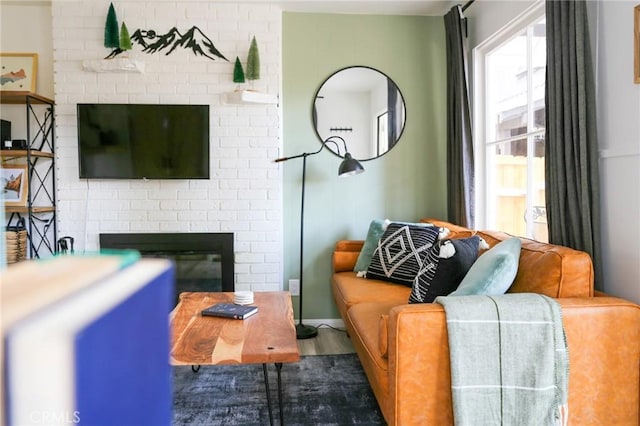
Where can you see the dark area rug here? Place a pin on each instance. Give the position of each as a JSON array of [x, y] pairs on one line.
[[318, 390]]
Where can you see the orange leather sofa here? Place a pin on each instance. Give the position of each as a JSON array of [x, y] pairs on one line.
[[404, 349]]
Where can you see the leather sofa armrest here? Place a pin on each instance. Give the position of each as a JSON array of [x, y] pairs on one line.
[[345, 255], [603, 334]]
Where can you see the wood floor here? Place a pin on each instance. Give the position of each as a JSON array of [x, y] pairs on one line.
[[329, 341]]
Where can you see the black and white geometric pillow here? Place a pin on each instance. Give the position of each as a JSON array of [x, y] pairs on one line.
[[444, 267], [400, 252]]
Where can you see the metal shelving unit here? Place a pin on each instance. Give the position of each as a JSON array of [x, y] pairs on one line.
[[39, 212]]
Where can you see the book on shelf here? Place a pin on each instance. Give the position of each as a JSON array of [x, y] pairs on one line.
[[229, 310]]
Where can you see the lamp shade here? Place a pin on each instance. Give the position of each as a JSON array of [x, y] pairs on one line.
[[350, 166]]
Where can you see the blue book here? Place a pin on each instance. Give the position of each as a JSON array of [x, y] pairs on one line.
[[99, 356]]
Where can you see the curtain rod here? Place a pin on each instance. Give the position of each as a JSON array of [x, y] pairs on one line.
[[467, 4]]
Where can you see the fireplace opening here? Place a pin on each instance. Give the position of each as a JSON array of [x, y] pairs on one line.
[[204, 261]]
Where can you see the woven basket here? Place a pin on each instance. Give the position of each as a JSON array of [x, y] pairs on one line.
[[16, 244]]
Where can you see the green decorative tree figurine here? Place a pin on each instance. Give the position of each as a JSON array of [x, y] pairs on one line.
[[238, 73], [125, 39], [111, 38], [253, 62], [111, 33]]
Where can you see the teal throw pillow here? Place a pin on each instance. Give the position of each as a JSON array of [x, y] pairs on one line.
[[376, 229], [493, 273]]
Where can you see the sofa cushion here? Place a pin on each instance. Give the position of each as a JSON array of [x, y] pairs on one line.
[[362, 323], [493, 273], [454, 231], [548, 269], [345, 255], [349, 290], [367, 318], [445, 266], [376, 229], [400, 252]]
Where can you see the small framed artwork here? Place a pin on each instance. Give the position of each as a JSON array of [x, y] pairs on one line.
[[18, 73], [14, 181], [636, 44]]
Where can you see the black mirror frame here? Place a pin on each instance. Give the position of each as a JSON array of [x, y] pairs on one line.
[[314, 113]]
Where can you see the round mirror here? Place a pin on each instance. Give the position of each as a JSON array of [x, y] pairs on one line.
[[364, 107]]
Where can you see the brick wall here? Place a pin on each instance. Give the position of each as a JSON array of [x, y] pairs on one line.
[[244, 192]]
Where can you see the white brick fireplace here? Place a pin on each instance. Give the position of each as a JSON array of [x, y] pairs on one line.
[[244, 193]]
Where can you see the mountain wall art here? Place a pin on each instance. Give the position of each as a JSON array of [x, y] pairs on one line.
[[117, 38], [194, 39]]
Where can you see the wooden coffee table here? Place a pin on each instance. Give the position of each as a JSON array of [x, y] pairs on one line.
[[266, 337]]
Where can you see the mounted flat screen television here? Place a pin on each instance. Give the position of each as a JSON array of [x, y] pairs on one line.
[[136, 141]]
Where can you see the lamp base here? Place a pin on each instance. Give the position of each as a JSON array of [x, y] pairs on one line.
[[305, 331]]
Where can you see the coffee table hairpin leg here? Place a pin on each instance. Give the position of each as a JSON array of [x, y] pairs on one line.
[[266, 383]]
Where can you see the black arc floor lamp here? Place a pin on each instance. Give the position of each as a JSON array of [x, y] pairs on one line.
[[348, 167]]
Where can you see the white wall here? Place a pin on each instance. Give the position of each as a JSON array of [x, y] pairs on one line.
[[611, 28], [29, 36], [619, 138], [244, 193], [14, 39]]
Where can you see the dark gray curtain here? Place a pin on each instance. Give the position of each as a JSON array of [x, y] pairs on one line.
[[571, 146], [392, 119], [460, 166]]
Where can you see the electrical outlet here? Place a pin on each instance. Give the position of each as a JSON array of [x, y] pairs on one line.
[[294, 287]]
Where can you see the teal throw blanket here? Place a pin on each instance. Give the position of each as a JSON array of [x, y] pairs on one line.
[[509, 360]]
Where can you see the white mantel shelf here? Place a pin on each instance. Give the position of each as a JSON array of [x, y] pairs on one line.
[[113, 65], [249, 97]]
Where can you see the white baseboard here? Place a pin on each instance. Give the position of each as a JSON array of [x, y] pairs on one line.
[[335, 323]]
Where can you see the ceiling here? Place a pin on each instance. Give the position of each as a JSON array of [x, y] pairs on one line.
[[365, 7]]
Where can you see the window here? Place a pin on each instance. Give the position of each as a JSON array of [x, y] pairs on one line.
[[510, 129]]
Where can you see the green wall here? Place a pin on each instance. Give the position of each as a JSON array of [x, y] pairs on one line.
[[405, 184]]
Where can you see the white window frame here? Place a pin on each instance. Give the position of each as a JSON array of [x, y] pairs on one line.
[[530, 16]]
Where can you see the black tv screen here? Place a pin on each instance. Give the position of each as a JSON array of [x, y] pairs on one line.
[[136, 141]]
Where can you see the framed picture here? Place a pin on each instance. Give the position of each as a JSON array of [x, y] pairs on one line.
[[14, 181], [18, 73], [636, 44]]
